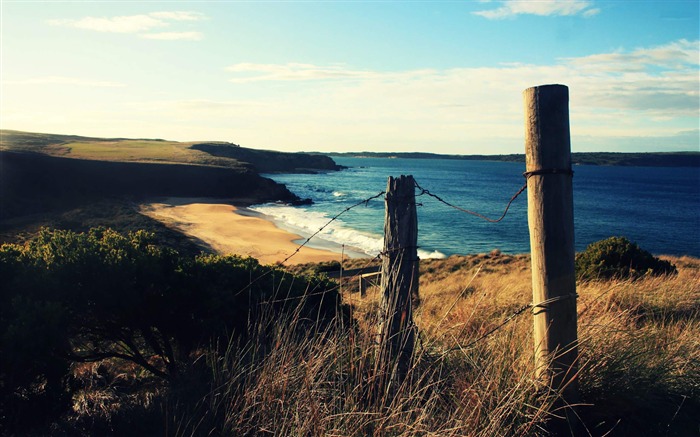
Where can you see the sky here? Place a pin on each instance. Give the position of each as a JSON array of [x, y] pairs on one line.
[[334, 76]]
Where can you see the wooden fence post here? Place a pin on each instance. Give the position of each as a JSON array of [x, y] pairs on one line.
[[399, 284], [551, 221]]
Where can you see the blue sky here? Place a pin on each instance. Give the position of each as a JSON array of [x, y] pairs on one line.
[[442, 77]]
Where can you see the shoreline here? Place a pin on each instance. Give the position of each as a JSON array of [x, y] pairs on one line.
[[229, 227]]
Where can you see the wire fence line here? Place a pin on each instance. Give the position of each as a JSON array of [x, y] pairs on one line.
[[423, 192], [466, 211], [334, 218]]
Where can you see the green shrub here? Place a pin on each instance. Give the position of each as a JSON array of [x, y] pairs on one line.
[[69, 297], [619, 258]]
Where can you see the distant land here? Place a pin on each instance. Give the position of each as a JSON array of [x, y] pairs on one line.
[[208, 153], [641, 159], [41, 172]]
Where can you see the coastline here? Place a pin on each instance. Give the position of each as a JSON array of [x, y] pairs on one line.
[[227, 228]]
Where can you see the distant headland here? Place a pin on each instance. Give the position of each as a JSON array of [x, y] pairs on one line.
[[47, 172], [640, 159]]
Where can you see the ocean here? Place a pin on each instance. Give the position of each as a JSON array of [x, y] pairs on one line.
[[656, 207]]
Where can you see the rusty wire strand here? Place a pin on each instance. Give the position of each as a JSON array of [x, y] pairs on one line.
[[512, 317], [363, 202], [386, 252], [476, 214]]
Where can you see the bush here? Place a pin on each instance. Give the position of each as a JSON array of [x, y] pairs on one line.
[[619, 258], [85, 297]]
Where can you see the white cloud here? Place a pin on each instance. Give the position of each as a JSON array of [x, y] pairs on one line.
[[511, 8], [174, 36], [248, 72], [137, 24], [179, 15], [674, 55], [645, 92], [62, 80], [659, 80], [122, 24]]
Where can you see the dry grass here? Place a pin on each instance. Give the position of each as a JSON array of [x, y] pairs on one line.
[[639, 364], [639, 340]]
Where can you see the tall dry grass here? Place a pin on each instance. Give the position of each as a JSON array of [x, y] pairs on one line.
[[639, 367]]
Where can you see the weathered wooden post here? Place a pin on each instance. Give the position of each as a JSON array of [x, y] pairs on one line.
[[551, 221], [399, 284]]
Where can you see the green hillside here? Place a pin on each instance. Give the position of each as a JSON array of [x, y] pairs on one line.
[[48, 172], [219, 154]]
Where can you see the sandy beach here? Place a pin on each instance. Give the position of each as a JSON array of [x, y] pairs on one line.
[[229, 229]]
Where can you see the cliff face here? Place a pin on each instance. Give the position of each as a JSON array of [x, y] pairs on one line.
[[267, 161], [32, 182]]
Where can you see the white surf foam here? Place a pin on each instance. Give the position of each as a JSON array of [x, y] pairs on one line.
[[306, 223]]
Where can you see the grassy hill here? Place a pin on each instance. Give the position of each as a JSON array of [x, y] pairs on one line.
[[47, 172], [219, 154]]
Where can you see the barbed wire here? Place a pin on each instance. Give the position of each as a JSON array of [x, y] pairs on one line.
[[421, 342], [476, 214], [423, 191], [363, 202], [491, 331], [386, 252], [512, 317]]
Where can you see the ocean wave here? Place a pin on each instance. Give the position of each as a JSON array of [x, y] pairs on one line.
[[305, 223], [435, 254]]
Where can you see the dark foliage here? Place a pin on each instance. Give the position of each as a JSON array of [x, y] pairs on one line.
[[268, 161], [619, 258], [83, 297]]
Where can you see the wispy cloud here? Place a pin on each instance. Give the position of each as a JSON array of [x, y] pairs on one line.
[[174, 36], [675, 55], [122, 24], [653, 79], [248, 72], [62, 80], [138, 24], [179, 15], [651, 91], [512, 8]]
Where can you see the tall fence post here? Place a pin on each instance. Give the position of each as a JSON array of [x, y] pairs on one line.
[[399, 284], [551, 221]]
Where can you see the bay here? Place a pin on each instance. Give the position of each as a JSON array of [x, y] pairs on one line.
[[657, 207]]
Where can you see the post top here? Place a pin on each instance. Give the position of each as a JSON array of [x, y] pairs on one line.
[[549, 87]]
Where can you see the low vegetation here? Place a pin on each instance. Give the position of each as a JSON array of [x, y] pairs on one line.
[[294, 364], [617, 257], [103, 297]]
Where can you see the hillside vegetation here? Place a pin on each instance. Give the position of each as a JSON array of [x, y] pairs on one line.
[[47, 172], [35, 183], [219, 154], [105, 334]]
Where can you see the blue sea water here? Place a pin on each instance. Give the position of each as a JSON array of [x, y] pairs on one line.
[[657, 207]]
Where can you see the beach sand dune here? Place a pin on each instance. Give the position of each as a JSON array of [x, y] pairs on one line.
[[229, 229]]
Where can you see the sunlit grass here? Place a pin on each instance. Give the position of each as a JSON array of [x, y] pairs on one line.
[[132, 150], [639, 363]]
